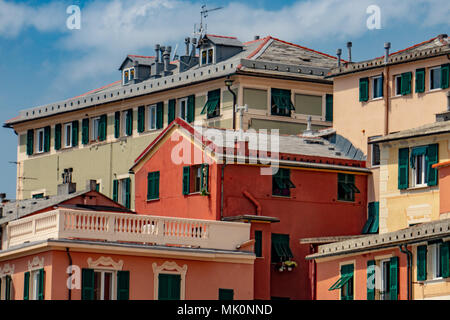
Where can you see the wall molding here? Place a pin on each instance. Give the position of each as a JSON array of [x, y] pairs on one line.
[[170, 268], [36, 264], [7, 270], [105, 263]]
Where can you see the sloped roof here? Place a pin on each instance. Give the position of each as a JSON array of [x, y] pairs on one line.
[[223, 40], [292, 149], [436, 46], [142, 60]]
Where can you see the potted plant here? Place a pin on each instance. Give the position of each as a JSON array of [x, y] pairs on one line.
[[290, 265]]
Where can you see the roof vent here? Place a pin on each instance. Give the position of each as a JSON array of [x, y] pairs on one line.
[[387, 46], [349, 47]]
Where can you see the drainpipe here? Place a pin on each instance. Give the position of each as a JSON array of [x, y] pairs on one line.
[[249, 196], [409, 271], [387, 46], [221, 190], [70, 263]]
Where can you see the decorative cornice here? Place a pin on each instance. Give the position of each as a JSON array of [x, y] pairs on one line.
[[36, 263], [105, 263], [7, 269]]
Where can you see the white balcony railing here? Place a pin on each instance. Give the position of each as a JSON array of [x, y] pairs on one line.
[[90, 225]]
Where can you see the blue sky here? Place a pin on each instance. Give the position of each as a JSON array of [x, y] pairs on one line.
[[42, 61]]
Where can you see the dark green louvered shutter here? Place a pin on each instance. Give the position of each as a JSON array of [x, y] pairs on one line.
[[75, 134], [159, 115], [403, 168], [30, 142], [115, 190], [41, 284], [444, 252], [127, 193], [141, 119], [117, 124], [226, 294], [87, 284], [329, 107], [421, 263], [171, 111], [129, 122], [153, 185], [8, 282], [445, 75], [191, 109], [47, 131], [364, 89], [258, 243], [123, 285], [169, 286], [85, 131], [102, 128], [58, 130], [393, 281], [26, 286], [186, 180], [371, 280], [203, 176], [432, 157], [406, 83], [420, 80]]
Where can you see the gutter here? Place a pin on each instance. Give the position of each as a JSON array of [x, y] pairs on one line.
[[409, 136]]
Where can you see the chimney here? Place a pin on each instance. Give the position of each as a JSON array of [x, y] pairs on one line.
[[166, 58], [444, 116], [186, 42], [157, 53], [92, 185], [349, 47], [308, 132], [387, 46], [194, 44], [256, 38], [67, 186], [339, 53]]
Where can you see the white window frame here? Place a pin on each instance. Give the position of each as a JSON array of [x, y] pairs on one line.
[[207, 56], [397, 87], [3, 288], [37, 140], [68, 144], [129, 75], [435, 261], [180, 112], [34, 285], [372, 153], [423, 172], [383, 280], [124, 124], [121, 195], [430, 77], [113, 288], [95, 135], [152, 109], [373, 87]]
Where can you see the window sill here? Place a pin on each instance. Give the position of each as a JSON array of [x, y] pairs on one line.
[[377, 99], [434, 90], [377, 166], [281, 197], [153, 200], [346, 201], [432, 281], [421, 187]]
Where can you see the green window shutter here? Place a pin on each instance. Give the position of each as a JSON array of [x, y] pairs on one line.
[[375, 214], [26, 286], [87, 284], [8, 282], [280, 248], [30, 142], [445, 248], [329, 107], [421, 263], [432, 158], [102, 128], [445, 75], [85, 131], [75, 135], [281, 98], [258, 243], [41, 284], [153, 185], [149, 185], [141, 119], [169, 286], [393, 278], [213, 103], [47, 134], [204, 172], [226, 294], [128, 193], [123, 285], [420, 80], [403, 168], [117, 124], [159, 115], [129, 122], [171, 111], [406, 83], [347, 272], [363, 89], [115, 190], [371, 280], [58, 129], [186, 180], [191, 109]]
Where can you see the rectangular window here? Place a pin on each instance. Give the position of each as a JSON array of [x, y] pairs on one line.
[[34, 285], [153, 185], [169, 286], [6, 288], [280, 248], [95, 129], [204, 57], [435, 250], [40, 140], [195, 179], [68, 135], [435, 78], [258, 243], [375, 154], [419, 171], [210, 56], [281, 104], [398, 85], [385, 280], [183, 104], [377, 87], [308, 104], [226, 294], [38, 196], [122, 191], [347, 187], [126, 76], [281, 183], [127, 121], [103, 285], [152, 117]]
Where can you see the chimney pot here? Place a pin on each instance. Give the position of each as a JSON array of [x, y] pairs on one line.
[[338, 53], [157, 53], [387, 46], [187, 41], [349, 47]]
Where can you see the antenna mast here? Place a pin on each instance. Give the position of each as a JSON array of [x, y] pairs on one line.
[[201, 31]]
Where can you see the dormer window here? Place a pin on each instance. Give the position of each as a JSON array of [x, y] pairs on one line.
[[128, 75], [207, 56]]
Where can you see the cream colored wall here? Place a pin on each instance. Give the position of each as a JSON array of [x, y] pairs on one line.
[[400, 208]]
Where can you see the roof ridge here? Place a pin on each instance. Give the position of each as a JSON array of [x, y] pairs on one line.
[[219, 36], [138, 56], [303, 47], [407, 48]]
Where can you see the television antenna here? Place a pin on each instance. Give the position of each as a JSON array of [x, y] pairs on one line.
[[203, 26]]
